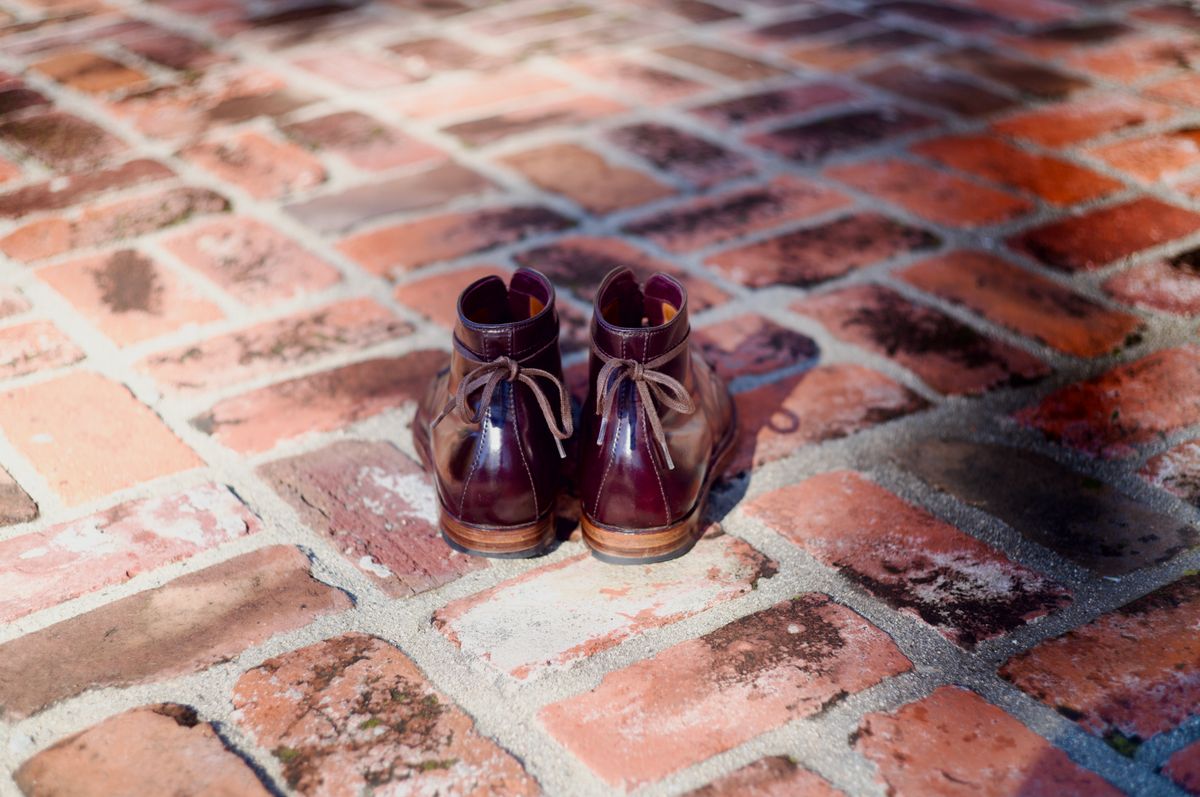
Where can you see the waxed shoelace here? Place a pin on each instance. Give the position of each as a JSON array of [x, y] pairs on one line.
[[651, 385]]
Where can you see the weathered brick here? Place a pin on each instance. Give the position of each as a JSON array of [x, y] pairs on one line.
[[260, 166], [1181, 89], [587, 608], [426, 56], [570, 112], [1131, 673], [1154, 158], [1133, 404], [186, 625], [586, 178], [858, 50], [1176, 470], [692, 10], [45, 568], [1068, 37], [1134, 59], [408, 246], [809, 142], [1071, 123], [362, 141], [699, 161], [579, 264], [161, 748], [957, 17], [478, 93], [1184, 768], [353, 69], [648, 84], [257, 420], [939, 90], [817, 254], [776, 776], [377, 507], [713, 219], [306, 337], [749, 345], [721, 62], [88, 72], [824, 403], [118, 221], [789, 661], [61, 141], [1026, 77], [803, 27], [1078, 517], [761, 106], [63, 192], [1092, 241], [35, 346], [954, 742], [251, 260], [353, 713], [914, 562], [15, 504], [950, 356], [435, 297], [426, 188], [1056, 181], [128, 296], [88, 436], [1024, 302], [12, 301], [1029, 10], [932, 194]]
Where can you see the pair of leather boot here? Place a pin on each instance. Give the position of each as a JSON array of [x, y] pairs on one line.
[[496, 426]]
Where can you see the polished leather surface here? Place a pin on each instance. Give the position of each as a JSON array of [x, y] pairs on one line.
[[505, 470], [624, 480]]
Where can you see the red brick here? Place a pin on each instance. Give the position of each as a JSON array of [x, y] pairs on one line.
[[817, 254], [572, 112], [721, 62], [170, 49], [88, 436], [713, 219], [353, 714], [88, 72], [1184, 768], [15, 504], [354, 70], [427, 56], [1133, 404], [1056, 181], [1176, 470], [161, 748], [252, 261], [129, 296], [579, 264], [257, 420], [773, 103], [858, 50], [118, 221], [435, 297], [477, 94], [811, 25], [776, 776], [949, 15], [1074, 122], [687, 703], [46, 568], [8, 170], [750, 345], [377, 507], [63, 192], [1134, 671], [362, 141], [300, 339], [1166, 13], [586, 178], [12, 301], [35, 346], [691, 10], [263, 168], [62, 142], [966, 590], [931, 194], [1154, 158], [810, 142], [1028, 10], [954, 742], [1181, 90], [697, 160], [1024, 302], [825, 403], [645, 83], [408, 246], [184, 626], [587, 608], [1092, 241], [950, 356], [935, 88], [1022, 76], [428, 188], [1131, 59]]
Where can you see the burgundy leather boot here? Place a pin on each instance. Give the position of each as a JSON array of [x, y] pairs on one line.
[[657, 428], [491, 428]]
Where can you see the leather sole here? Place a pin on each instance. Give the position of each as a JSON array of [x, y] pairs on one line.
[[621, 546]]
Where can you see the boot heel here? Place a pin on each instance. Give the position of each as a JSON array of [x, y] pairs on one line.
[[498, 542]]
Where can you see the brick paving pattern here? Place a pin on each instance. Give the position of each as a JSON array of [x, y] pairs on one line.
[[946, 252]]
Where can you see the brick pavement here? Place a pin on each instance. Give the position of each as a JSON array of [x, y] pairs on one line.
[[945, 252]]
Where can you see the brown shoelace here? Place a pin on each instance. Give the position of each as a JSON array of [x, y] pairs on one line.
[[650, 384], [487, 376]]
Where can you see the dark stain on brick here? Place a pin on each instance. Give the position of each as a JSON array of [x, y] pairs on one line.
[[793, 635], [669, 148], [183, 716], [129, 282], [813, 141], [729, 214]]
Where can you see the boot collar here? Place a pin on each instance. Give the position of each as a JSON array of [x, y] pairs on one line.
[[621, 306], [514, 320]]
